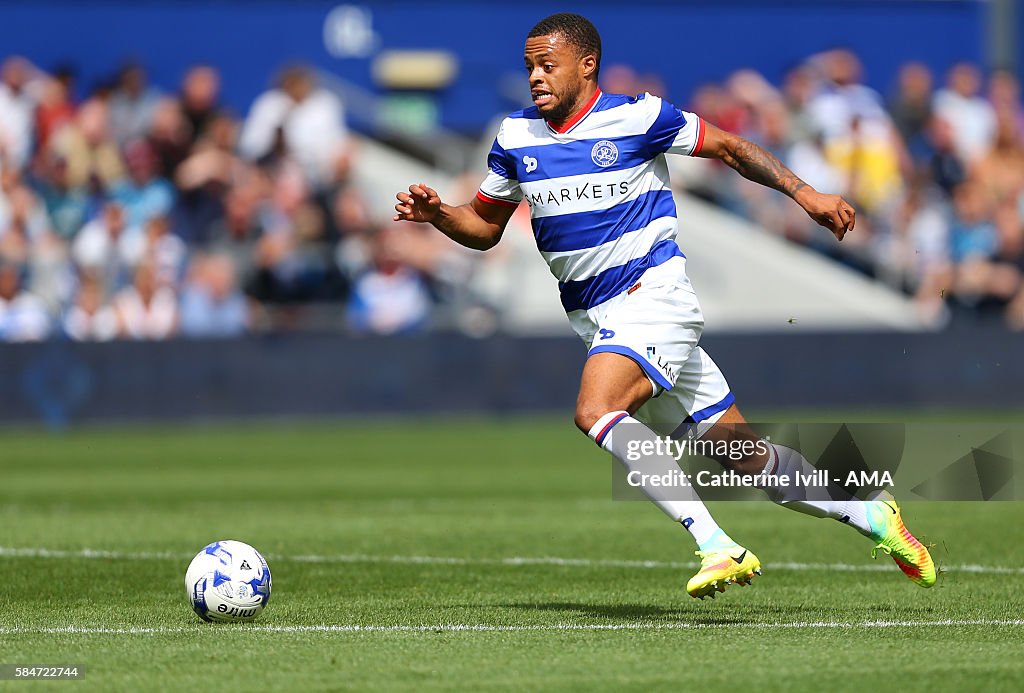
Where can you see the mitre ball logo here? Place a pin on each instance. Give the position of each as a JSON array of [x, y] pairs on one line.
[[604, 153]]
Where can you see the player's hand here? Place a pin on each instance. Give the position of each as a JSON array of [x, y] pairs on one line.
[[831, 211], [420, 204]]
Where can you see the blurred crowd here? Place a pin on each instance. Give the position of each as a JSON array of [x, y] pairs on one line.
[[935, 169], [140, 214]]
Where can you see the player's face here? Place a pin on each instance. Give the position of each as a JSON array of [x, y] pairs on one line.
[[556, 72]]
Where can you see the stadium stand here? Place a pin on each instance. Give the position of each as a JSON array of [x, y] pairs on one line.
[[140, 214]]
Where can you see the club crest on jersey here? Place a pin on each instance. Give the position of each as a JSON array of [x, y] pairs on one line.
[[530, 163], [604, 153]]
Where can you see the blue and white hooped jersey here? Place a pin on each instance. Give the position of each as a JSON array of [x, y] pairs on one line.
[[598, 189]]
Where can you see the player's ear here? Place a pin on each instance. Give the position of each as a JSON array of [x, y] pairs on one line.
[[589, 65]]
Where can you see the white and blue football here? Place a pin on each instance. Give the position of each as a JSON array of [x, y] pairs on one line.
[[228, 581]]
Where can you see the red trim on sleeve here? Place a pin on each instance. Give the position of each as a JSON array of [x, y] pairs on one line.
[[493, 200], [700, 136]]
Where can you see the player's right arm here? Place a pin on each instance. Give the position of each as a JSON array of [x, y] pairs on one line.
[[755, 163], [476, 225], [678, 132]]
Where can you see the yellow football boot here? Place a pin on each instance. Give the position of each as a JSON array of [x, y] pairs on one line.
[[895, 539], [721, 568]]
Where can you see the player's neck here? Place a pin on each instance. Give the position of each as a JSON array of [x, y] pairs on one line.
[[584, 104]]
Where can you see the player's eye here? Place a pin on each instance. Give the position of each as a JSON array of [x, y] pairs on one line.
[[548, 67]]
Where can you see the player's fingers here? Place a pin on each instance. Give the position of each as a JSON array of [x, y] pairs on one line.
[[404, 198], [843, 213], [842, 223], [832, 222], [853, 216], [416, 190], [431, 193], [426, 192]]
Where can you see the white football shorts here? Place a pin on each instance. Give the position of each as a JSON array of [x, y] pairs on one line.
[[658, 323]]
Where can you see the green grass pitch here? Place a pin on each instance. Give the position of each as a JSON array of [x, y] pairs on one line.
[[462, 555]]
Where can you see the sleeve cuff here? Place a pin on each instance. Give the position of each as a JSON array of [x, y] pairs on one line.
[[700, 137], [482, 196]]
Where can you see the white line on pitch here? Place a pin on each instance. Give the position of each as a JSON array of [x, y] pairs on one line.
[[487, 628], [39, 552]]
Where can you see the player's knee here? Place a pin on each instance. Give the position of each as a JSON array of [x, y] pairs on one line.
[[588, 413]]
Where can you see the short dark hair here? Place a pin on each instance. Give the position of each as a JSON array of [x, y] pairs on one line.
[[576, 30]]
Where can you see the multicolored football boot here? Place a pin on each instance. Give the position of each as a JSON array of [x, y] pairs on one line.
[[723, 567], [895, 539]]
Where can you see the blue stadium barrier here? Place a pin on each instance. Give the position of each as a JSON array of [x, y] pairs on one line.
[[58, 383]]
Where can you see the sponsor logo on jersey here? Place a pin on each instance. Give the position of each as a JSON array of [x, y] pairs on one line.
[[587, 191]]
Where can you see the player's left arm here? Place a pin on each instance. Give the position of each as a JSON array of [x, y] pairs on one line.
[[756, 164]]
